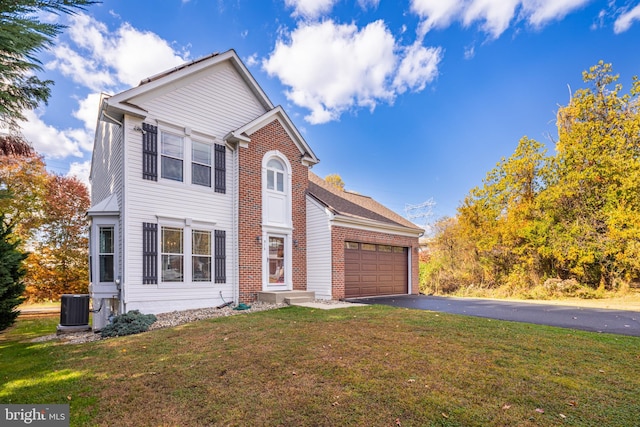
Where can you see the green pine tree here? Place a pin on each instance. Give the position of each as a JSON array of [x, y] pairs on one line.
[[11, 273]]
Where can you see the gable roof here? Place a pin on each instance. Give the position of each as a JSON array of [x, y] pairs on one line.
[[117, 105], [356, 206], [242, 135]]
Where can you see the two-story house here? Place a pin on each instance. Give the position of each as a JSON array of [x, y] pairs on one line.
[[202, 193]]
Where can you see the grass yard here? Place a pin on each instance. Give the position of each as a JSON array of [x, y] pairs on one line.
[[365, 366]]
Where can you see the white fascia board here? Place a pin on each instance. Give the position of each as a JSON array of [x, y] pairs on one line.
[[120, 100], [375, 226], [279, 114], [322, 206]]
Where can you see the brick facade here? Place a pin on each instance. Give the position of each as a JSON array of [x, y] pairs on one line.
[[270, 137], [341, 234]]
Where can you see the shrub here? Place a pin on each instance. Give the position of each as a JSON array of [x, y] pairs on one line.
[[130, 323]]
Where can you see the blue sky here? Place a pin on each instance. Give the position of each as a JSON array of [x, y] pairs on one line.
[[406, 100]]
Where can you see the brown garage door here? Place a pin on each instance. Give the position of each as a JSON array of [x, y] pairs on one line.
[[375, 270]]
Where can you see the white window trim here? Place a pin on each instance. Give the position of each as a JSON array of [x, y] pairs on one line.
[[187, 225], [96, 223], [277, 230], [211, 164], [188, 137], [161, 133], [275, 154]]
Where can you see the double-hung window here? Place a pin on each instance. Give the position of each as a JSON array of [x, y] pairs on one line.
[[201, 255], [201, 163], [172, 150], [172, 249], [275, 175], [106, 253], [186, 254]]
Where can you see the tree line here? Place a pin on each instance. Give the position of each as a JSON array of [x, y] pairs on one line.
[[24, 33], [568, 221]]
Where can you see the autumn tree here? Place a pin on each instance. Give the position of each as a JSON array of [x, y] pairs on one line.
[[499, 218], [58, 263], [24, 177], [335, 180], [575, 215], [47, 213], [593, 205]]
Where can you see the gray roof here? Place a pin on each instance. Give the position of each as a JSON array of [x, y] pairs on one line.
[[354, 205]]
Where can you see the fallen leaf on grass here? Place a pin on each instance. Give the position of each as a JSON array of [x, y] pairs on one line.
[[573, 403], [69, 397], [506, 406], [335, 404], [563, 416], [411, 380], [445, 415]]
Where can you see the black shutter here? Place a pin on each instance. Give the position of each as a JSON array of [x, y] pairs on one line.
[[149, 253], [220, 168], [149, 152], [220, 252]]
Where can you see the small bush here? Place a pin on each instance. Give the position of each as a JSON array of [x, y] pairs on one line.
[[130, 323]]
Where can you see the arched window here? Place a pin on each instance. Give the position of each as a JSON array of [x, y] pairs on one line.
[[275, 175]]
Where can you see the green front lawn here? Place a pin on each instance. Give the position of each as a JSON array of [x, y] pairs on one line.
[[373, 366]]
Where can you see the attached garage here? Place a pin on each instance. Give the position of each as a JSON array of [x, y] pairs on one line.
[[373, 270], [356, 247]]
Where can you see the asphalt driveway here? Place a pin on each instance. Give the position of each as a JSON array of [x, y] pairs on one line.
[[586, 319]]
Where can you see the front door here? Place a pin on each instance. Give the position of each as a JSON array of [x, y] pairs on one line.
[[276, 264]]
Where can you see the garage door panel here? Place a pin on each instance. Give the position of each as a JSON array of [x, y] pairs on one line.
[[376, 272], [351, 255], [369, 256]]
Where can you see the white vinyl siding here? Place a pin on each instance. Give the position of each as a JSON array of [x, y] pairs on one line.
[[206, 108], [215, 103], [318, 250]]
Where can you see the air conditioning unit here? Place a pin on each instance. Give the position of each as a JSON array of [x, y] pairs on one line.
[[74, 313]]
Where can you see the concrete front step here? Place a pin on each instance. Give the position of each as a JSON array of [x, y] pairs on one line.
[[279, 297], [297, 300]]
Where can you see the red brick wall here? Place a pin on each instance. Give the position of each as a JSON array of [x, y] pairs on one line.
[[271, 137], [341, 234]]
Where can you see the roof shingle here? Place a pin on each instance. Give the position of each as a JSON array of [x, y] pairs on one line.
[[353, 205]]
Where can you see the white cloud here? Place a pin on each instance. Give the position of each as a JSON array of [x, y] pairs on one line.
[[81, 171], [368, 4], [418, 67], [87, 111], [310, 9], [251, 60], [625, 20], [337, 67], [540, 12], [493, 16], [52, 142], [436, 13], [105, 60]]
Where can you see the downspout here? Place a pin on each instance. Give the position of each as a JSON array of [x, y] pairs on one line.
[[235, 221]]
